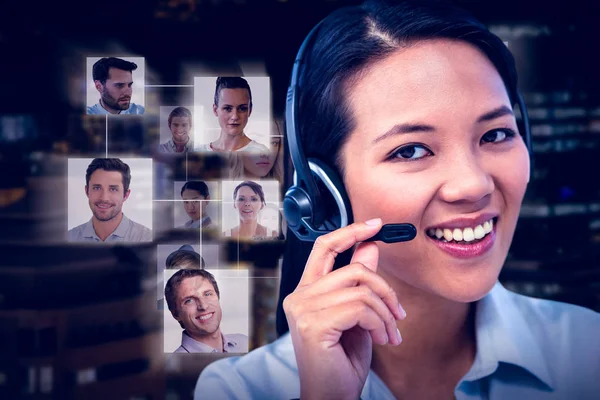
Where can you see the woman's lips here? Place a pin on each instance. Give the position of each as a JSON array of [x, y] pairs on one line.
[[466, 250]]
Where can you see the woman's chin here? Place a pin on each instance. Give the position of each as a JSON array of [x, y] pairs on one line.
[[466, 292]]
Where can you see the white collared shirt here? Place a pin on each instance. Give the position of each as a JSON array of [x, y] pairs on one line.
[[232, 343], [526, 349], [170, 147], [252, 147], [204, 222]]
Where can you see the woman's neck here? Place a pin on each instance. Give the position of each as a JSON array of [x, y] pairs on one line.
[[438, 343], [248, 227], [227, 142]]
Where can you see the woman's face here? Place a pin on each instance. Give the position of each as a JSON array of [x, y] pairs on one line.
[[233, 110], [260, 164], [193, 204], [436, 143], [248, 203]]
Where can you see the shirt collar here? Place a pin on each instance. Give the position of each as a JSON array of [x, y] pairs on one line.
[[122, 228], [199, 222], [194, 346], [187, 147], [104, 110], [503, 335], [89, 232]]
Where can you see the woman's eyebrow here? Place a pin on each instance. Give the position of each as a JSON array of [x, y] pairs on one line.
[[413, 128], [495, 113], [404, 128]]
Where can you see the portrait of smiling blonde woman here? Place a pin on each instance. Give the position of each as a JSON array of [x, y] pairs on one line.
[[412, 104]]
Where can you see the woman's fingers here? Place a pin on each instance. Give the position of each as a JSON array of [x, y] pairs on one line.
[[327, 247], [346, 297], [367, 254], [355, 275], [329, 324]]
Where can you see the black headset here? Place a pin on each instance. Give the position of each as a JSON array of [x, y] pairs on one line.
[[307, 213]]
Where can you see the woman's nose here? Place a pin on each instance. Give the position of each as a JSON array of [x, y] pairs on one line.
[[467, 181]]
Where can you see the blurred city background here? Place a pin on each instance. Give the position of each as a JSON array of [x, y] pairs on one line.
[[81, 322]]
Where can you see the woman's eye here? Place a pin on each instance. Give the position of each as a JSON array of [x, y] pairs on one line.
[[411, 152], [498, 135]]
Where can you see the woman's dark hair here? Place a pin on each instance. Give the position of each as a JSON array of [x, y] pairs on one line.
[[199, 186], [252, 185], [351, 39], [231, 82], [346, 43]]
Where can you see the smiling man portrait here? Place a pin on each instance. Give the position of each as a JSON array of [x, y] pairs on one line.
[[193, 298], [180, 125], [107, 188]]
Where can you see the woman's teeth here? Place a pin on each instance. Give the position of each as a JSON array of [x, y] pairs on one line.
[[466, 235]]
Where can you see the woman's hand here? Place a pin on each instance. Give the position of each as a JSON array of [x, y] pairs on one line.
[[334, 317]]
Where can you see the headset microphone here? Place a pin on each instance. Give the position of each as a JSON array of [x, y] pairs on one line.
[[393, 233]]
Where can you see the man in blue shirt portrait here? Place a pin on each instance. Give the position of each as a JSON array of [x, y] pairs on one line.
[[107, 188], [193, 297], [114, 81]]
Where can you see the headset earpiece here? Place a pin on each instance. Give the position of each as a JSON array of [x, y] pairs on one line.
[[299, 209]]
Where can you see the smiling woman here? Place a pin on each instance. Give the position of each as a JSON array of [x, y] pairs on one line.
[[249, 200], [410, 105]]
